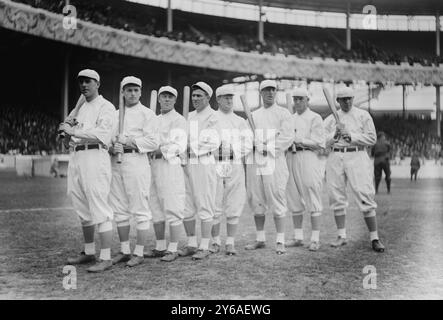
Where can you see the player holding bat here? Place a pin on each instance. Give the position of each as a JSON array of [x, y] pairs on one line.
[[131, 179], [350, 131]]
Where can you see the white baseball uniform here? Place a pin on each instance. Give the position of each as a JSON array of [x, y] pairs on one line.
[[267, 176], [350, 162], [131, 179], [231, 189], [305, 166], [200, 177], [89, 170], [167, 195]]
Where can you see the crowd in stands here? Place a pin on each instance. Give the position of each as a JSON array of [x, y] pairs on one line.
[[410, 136], [27, 132], [152, 21]]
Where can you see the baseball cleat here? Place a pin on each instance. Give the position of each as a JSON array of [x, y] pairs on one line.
[[121, 257], [294, 243], [187, 251], [169, 256], [135, 261], [201, 254], [377, 246], [154, 253], [230, 250], [215, 248], [280, 248], [100, 266], [256, 245], [339, 242], [82, 259], [314, 246]]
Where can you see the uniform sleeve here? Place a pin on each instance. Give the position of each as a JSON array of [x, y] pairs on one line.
[[317, 134], [150, 139], [208, 139], [103, 127], [368, 137], [176, 141], [286, 133], [242, 145]]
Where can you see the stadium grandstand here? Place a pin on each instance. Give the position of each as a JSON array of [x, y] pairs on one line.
[[299, 43]]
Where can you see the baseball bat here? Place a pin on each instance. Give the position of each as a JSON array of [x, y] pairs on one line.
[[74, 113], [247, 111], [121, 121], [186, 97], [331, 104], [153, 101], [289, 102]]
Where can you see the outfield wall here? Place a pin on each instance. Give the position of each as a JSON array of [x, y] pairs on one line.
[[40, 166]]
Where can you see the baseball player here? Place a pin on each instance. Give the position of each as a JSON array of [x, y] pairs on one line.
[[306, 170], [131, 178], [89, 170], [200, 177], [349, 162], [236, 142], [381, 152], [267, 174], [168, 183]]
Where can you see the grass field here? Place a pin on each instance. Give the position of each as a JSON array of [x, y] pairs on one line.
[[38, 231]]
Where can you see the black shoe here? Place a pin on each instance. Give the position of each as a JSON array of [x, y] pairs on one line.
[[82, 258], [377, 246]]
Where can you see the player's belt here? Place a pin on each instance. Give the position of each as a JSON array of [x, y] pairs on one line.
[[130, 151], [222, 158], [348, 149], [297, 149], [157, 156], [192, 155], [82, 147]]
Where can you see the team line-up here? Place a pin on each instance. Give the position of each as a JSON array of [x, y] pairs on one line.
[[170, 170]]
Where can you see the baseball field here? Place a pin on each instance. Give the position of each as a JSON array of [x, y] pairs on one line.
[[39, 230]]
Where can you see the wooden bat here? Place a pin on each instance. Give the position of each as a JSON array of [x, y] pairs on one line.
[[186, 97], [247, 111], [153, 101], [331, 105], [121, 121], [289, 103], [71, 118]]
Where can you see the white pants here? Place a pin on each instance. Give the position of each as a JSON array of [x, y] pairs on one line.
[[89, 179], [201, 186], [131, 180], [305, 183], [355, 168], [167, 195], [267, 192], [231, 194]]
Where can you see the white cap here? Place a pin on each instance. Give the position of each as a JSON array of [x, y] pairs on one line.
[[268, 83], [131, 80], [224, 90], [345, 92], [204, 86], [88, 73], [168, 89], [300, 92]]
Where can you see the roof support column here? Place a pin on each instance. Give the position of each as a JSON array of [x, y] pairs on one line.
[[438, 110], [437, 34], [169, 17], [261, 36], [348, 27]]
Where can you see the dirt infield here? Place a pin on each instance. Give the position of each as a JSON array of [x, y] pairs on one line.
[[38, 231]]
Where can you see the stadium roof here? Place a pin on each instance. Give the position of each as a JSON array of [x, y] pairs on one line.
[[392, 7]]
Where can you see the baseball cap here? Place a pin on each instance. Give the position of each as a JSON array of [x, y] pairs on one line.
[[204, 86], [268, 83], [345, 92], [300, 92], [168, 89], [89, 73], [224, 90], [131, 80]]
